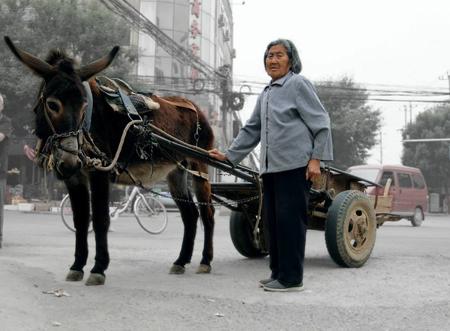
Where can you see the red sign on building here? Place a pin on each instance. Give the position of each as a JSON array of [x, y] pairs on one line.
[[195, 8]]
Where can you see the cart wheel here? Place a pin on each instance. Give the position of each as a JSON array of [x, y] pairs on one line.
[[350, 230], [242, 236], [418, 218]]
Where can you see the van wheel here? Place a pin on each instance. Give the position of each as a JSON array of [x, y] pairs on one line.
[[350, 229], [418, 218]]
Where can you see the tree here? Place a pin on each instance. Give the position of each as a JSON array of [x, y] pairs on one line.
[[431, 157], [83, 29], [354, 123]]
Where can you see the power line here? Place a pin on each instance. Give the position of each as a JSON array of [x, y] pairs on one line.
[[136, 19], [435, 92], [425, 140]]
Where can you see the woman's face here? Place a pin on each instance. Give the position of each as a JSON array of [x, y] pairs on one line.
[[277, 62]]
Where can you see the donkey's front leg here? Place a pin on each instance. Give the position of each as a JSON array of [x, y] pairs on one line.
[[79, 199], [100, 221]]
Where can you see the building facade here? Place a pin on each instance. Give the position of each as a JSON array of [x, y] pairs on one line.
[[205, 29]]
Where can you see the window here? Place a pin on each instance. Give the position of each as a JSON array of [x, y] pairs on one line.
[[404, 180], [159, 76], [181, 38], [165, 15], [181, 15], [206, 26], [146, 65], [385, 176], [205, 50], [160, 52], [418, 181]]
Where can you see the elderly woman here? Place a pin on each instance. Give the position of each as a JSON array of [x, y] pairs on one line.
[[294, 130]]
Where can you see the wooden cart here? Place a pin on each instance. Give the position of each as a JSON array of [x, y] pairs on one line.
[[338, 205]]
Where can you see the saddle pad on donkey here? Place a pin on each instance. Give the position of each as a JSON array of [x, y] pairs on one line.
[[110, 88], [176, 101]]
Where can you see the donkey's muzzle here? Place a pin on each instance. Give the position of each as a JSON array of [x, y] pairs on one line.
[[67, 161]]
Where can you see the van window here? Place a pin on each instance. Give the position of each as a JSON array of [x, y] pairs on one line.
[[418, 181], [385, 176], [404, 180]]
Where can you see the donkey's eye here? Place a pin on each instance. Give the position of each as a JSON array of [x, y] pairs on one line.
[[53, 105]]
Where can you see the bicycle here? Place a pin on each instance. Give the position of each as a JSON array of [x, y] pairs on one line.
[[149, 211]]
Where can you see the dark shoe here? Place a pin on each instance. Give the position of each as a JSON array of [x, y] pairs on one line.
[[263, 282], [276, 286]]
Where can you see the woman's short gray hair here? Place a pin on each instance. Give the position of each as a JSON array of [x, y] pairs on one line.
[[291, 50]]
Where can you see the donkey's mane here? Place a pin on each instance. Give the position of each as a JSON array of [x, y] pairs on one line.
[[59, 58]]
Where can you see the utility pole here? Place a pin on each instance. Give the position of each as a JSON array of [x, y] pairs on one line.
[[446, 78], [406, 116], [381, 147], [410, 113]]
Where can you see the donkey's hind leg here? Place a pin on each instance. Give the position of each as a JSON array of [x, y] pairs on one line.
[[77, 187], [177, 180], [202, 189]]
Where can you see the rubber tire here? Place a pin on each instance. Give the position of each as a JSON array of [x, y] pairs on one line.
[[242, 236], [335, 236], [417, 222]]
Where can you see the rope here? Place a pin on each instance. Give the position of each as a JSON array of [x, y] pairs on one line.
[[96, 163]]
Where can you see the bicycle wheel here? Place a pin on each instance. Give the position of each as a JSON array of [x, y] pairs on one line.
[[150, 214], [67, 215]]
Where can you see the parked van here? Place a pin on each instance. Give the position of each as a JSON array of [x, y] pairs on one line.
[[408, 188]]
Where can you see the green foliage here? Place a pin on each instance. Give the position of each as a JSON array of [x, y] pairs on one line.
[[354, 123], [431, 157], [84, 29]]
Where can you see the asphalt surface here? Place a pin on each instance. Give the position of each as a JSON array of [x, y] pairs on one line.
[[404, 285]]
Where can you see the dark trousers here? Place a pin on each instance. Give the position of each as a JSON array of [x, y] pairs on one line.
[[2, 201], [285, 208]]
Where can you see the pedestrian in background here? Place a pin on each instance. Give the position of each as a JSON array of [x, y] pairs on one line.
[[5, 132], [294, 131]]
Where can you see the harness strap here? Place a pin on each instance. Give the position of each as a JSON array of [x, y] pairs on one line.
[[128, 104], [90, 104], [194, 173], [119, 149]]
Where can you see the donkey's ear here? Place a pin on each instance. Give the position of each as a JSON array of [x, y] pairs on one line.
[[40, 67], [95, 67]]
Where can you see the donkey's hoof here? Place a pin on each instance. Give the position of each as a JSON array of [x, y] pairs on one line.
[[203, 269], [95, 279], [74, 276], [177, 269]]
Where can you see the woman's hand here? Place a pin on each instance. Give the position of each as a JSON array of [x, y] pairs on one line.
[[29, 152], [216, 154], [313, 169]]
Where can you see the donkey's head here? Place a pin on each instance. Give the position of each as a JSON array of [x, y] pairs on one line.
[[62, 103]]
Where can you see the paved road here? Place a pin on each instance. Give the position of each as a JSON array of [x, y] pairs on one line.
[[404, 285]]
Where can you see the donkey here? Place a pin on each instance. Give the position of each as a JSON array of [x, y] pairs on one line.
[[60, 114]]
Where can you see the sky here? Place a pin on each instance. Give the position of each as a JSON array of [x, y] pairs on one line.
[[390, 43]]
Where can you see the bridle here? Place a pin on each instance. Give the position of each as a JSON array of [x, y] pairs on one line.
[[53, 143]]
